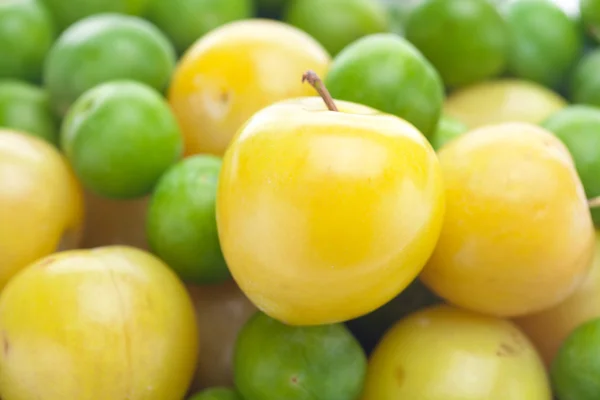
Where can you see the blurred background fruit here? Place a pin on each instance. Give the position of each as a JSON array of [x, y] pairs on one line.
[[516, 213], [102, 48], [550, 327], [576, 368], [41, 205], [386, 72], [26, 108], [337, 23], [590, 15], [121, 137], [217, 394], [398, 12], [271, 8], [466, 40], [66, 13], [224, 310], [442, 352], [448, 129], [185, 21], [545, 43], [502, 100], [585, 82], [275, 361], [117, 310], [26, 34], [181, 224], [578, 127], [233, 72]]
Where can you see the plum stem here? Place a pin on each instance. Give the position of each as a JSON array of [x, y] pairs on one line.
[[316, 82], [594, 202]]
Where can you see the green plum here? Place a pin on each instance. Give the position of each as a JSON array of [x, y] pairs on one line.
[[578, 127], [26, 108], [448, 129], [67, 12], [185, 21], [545, 41], [590, 17], [181, 223], [466, 40], [26, 35], [217, 393], [337, 23], [386, 72], [585, 82], [274, 361], [106, 47], [120, 137]]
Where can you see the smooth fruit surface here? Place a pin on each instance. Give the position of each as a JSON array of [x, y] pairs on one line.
[[578, 127], [325, 216], [549, 328], [545, 41], [585, 83], [276, 361], [121, 137], [448, 129], [69, 308], [337, 23], [26, 34], [217, 394], [466, 40], [102, 48], [516, 213], [502, 100], [233, 72], [575, 371], [185, 21], [386, 72], [26, 108], [225, 309], [181, 224], [41, 205], [445, 353], [66, 13]]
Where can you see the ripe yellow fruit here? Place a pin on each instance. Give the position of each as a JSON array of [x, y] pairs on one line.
[[41, 202], [104, 324], [518, 235], [324, 216], [236, 70], [442, 353]]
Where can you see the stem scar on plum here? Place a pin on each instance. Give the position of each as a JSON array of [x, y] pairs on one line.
[[313, 79]]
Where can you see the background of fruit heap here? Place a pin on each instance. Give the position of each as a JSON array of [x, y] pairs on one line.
[[115, 116]]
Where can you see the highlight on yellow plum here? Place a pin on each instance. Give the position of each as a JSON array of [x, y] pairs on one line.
[[502, 100], [518, 236], [41, 205], [324, 216], [548, 328], [107, 323], [224, 309], [236, 70], [443, 352]]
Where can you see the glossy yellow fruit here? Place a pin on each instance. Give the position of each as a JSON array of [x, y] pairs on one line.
[[503, 100], [41, 206], [325, 216], [549, 328], [234, 71], [223, 310], [114, 221], [103, 324], [445, 353], [518, 235]]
